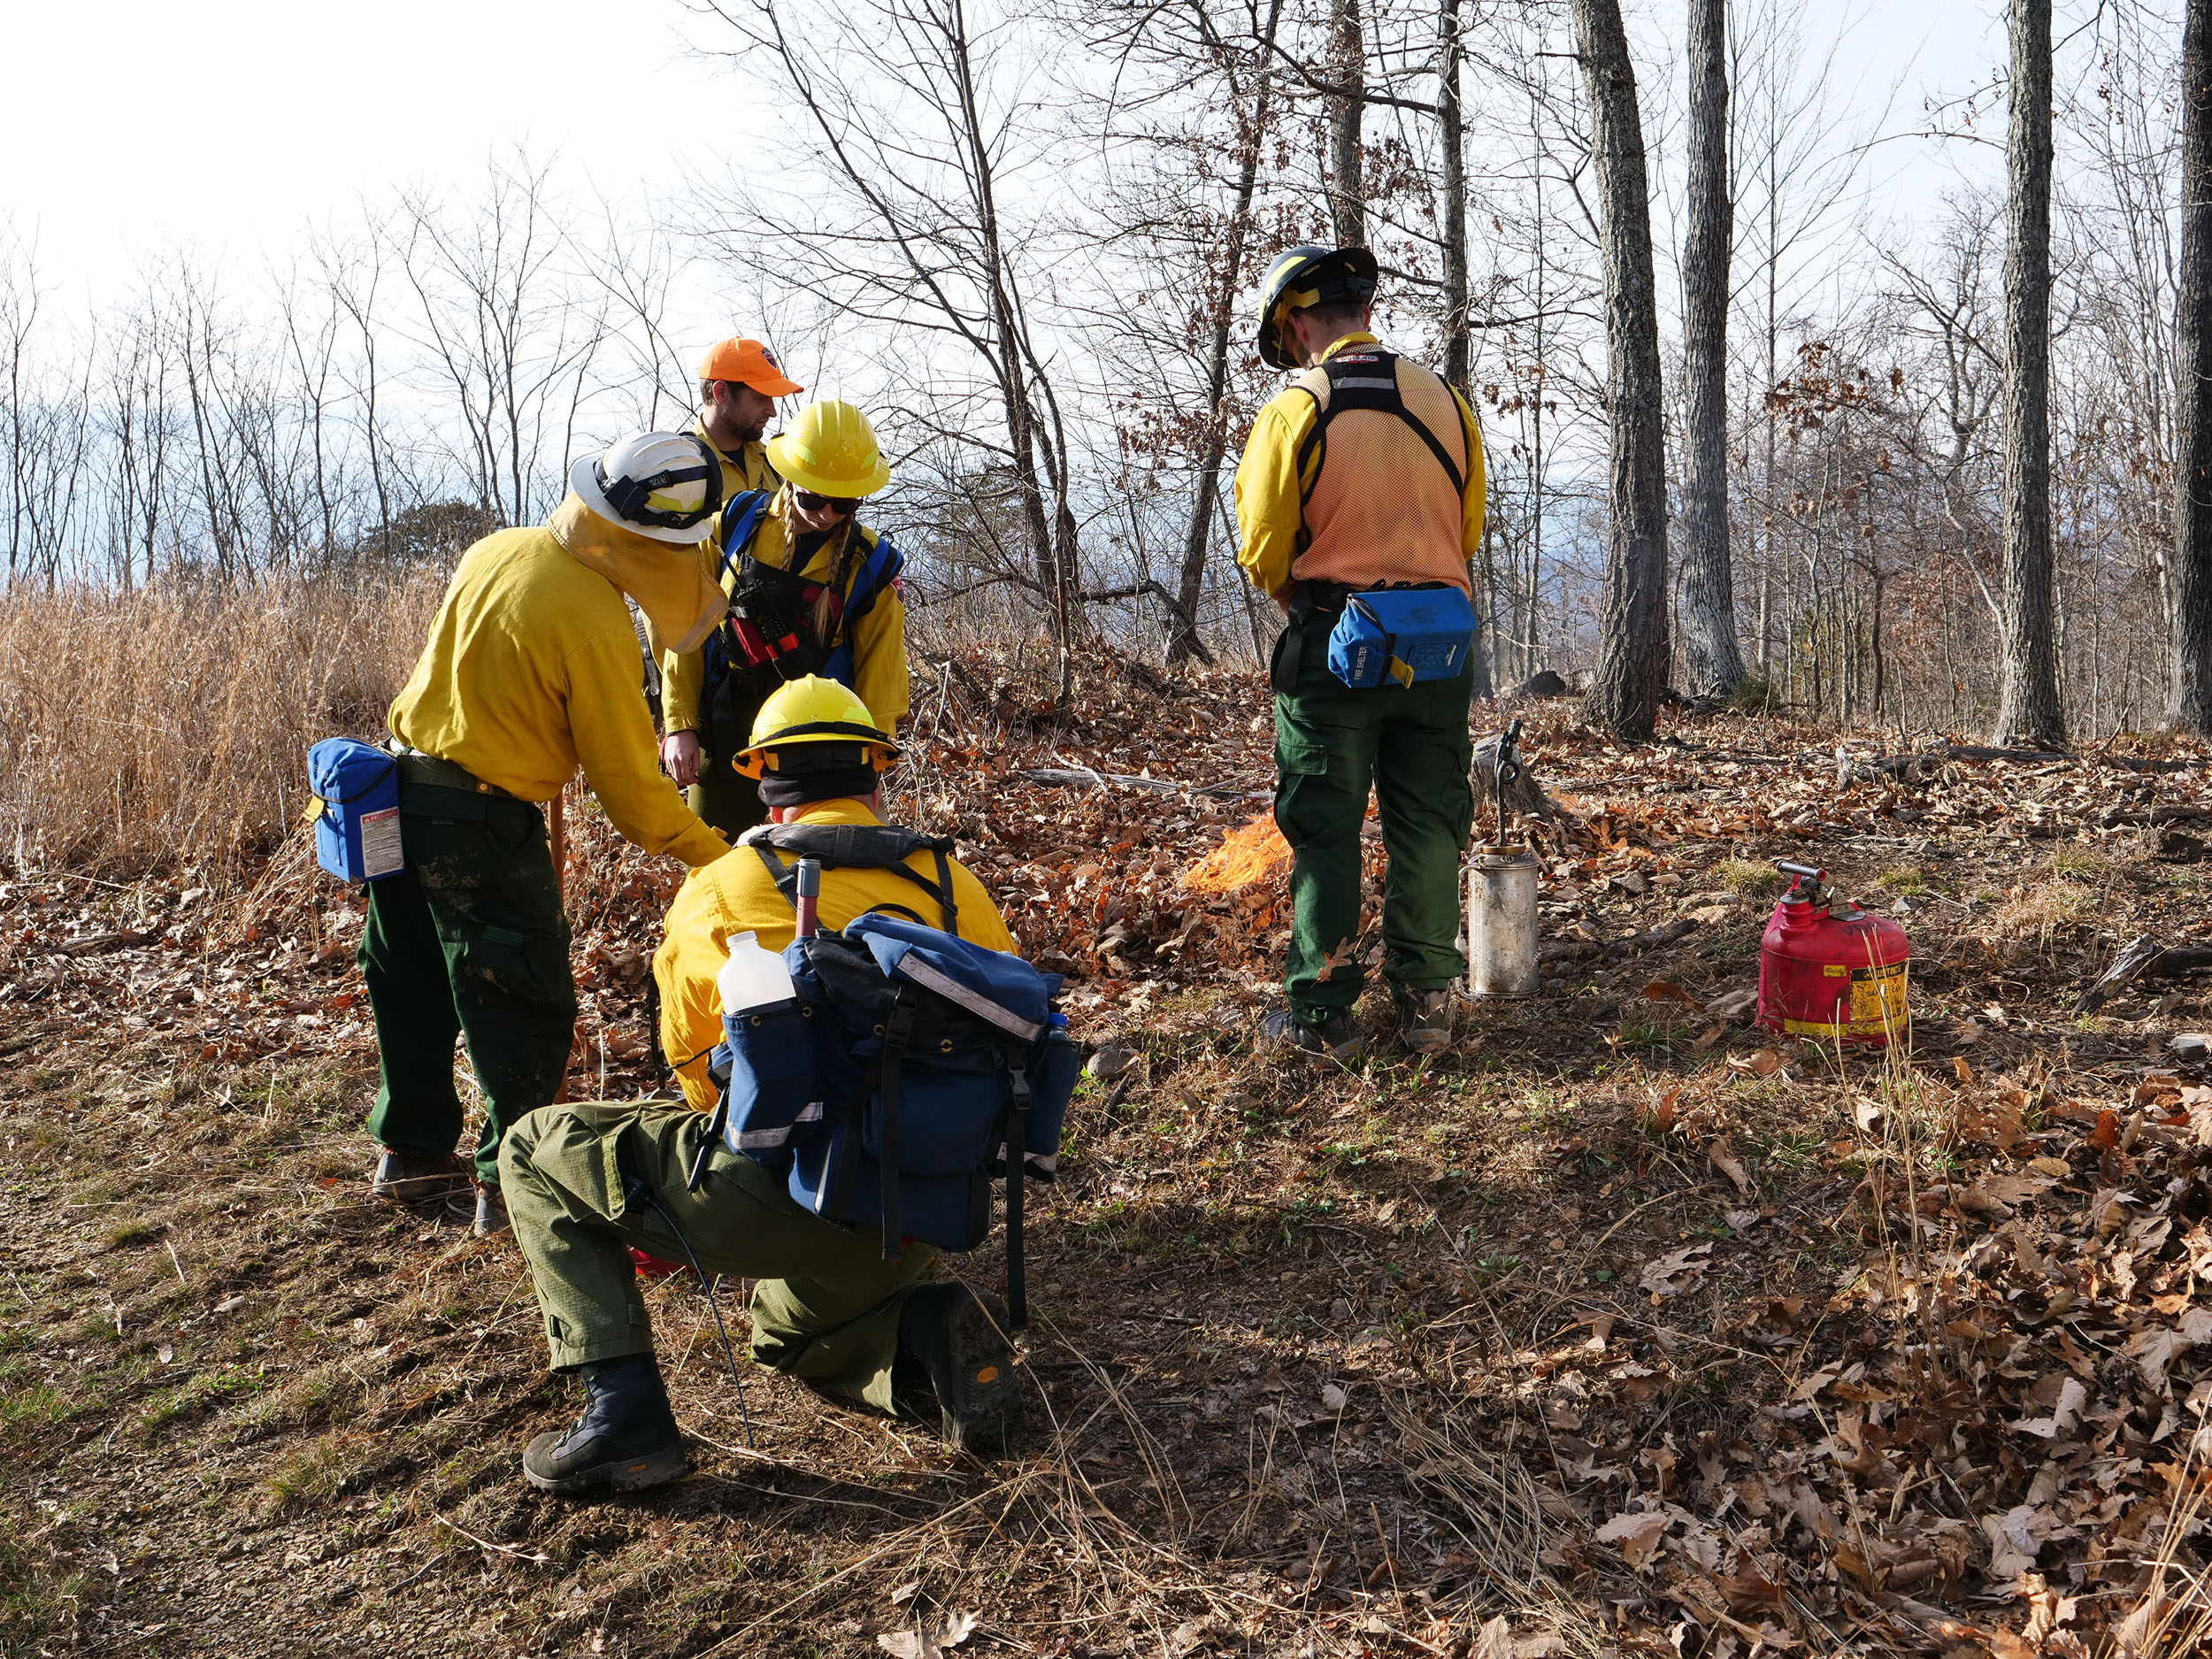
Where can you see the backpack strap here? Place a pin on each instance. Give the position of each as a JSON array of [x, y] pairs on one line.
[[877, 573], [857, 847], [1365, 378], [896, 1030], [1016, 1144], [742, 516]]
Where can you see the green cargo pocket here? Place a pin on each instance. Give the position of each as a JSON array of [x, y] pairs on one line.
[[1298, 751], [530, 968]]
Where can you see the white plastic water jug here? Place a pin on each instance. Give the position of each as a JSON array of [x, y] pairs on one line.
[[752, 977]]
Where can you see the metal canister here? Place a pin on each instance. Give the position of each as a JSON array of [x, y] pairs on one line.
[[1502, 921]]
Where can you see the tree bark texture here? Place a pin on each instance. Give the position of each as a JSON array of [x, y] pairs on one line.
[[1708, 584], [2190, 710], [1451, 135], [1631, 668], [1184, 643], [1347, 69], [2027, 699]]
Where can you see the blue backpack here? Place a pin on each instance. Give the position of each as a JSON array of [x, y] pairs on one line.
[[355, 809], [888, 1090]]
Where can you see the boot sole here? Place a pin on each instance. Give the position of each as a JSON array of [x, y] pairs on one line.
[[984, 1408], [626, 1474]]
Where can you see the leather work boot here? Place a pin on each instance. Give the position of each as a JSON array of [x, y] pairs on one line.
[[406, 1177], [1336, 1038], [491, 1212], [625, 1439], [958, 1344], [1424, 1020]]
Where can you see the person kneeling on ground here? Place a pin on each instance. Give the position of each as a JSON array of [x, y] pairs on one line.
[[587, 1184], [530, 671]]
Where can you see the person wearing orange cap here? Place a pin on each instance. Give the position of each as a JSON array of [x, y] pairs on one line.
[[811, 591], [738, 382]]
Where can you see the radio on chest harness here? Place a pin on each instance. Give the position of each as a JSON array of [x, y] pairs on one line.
[[770, 635]]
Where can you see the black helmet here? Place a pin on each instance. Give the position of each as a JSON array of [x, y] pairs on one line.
[[1307, 276]]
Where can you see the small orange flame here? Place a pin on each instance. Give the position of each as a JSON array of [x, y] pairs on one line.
[[1244, 856]]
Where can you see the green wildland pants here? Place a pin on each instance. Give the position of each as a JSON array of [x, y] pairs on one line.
[[826, 1308], [1411, 743], [468, 940], [725, 797]]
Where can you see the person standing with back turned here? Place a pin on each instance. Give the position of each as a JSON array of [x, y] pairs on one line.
[[530, 671], [1366, 471]]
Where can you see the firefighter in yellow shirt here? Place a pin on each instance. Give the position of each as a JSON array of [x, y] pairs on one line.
[[812, 590], [1365, 472], [530, 671], [593, 1183]]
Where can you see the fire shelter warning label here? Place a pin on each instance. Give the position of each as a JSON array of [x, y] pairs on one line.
[[380, 844]]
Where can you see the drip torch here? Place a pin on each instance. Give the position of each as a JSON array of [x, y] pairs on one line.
[[1501, 896]]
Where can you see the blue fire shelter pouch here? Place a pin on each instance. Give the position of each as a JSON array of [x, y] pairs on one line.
[[909, 1069], [355, 809], [1407, 635]]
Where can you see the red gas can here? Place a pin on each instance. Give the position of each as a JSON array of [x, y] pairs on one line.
[[1838, 975]]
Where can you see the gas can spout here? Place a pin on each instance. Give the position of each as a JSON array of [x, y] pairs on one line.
[[1805, 882]]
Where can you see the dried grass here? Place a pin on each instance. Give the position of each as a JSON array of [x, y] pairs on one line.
[[2041, 910], [166, 728]]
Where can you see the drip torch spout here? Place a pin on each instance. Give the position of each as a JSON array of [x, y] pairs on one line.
[[1508, 770]]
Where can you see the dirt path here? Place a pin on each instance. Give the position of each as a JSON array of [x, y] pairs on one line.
[[1626, 1325]]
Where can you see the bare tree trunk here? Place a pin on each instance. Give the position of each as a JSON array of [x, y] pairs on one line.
[[1631, 667], [1709, 585], [1347, 69], [2190, 704], [2027, 700], [1451, 135], [1198, 536]]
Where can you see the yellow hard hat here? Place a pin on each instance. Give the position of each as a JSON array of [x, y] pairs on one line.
[[831, 450], [811, 710], [1310, 275]]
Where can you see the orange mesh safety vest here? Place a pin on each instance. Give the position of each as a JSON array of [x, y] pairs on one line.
[[1384, 503]]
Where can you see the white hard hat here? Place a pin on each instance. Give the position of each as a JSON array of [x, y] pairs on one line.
[[664, 485]]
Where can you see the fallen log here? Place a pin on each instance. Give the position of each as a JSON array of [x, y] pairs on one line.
[[100, 944], [2116, 815], [2143, 958]]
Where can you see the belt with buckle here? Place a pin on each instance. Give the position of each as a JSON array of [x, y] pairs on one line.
[[419, 768]]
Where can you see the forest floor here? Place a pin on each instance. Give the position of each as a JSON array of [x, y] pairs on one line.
[[1625, 1328]]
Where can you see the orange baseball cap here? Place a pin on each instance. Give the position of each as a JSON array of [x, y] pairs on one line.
[[751, 363]]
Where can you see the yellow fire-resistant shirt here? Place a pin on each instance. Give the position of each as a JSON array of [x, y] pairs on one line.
[[735, 895], [532, 668], [1374, 505], [879, 639], [746, 468]]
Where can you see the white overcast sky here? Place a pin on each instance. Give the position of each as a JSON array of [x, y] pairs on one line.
[[227, 124]]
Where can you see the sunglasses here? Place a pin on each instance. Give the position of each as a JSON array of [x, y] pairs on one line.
[[813, 502]]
